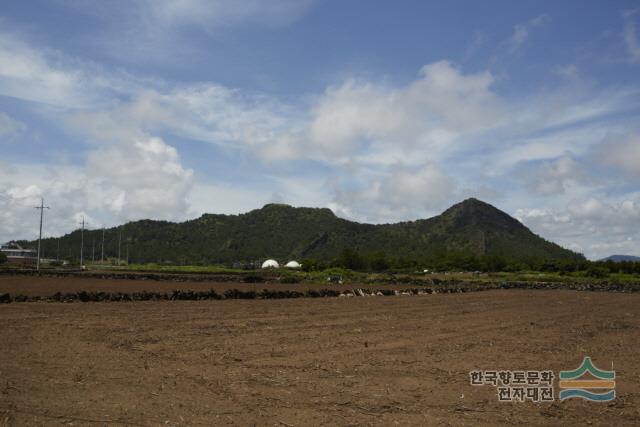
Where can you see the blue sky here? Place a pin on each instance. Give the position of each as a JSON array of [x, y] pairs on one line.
[[382, 111]]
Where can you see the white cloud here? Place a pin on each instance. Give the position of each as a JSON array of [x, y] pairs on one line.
[[569, 71], [590, 209], [400, 194], [552, 176], [365, 120], [224, 199], [478, 40], [521, 32], [160, 31], [367, 148], [47, 76], [594, 226], [10, 127], [212, 14], [256, 124], [26, 74], [623, 154], [427, 114], [126, 181], [143, 178], [630, 36]]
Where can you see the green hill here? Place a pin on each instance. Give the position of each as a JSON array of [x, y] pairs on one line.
[[622, 258], [470, 228]]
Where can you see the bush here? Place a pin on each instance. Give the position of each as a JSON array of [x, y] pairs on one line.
[[289, 279], [253, 278], [351, 260], [379, 262], [3, 258], [597, 272], [310, 265], [337, 271]]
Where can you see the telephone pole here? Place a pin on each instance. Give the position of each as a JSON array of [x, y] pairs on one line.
[[102, 257], [42, 207], [119, 242], [82, 243]]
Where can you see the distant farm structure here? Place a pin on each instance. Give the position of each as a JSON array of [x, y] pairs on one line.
[[270, 263], [293, 264], [16, 254]]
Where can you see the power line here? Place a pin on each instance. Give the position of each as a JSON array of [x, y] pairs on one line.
[[42, 207]]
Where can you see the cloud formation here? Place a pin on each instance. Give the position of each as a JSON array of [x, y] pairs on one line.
[[10, 127], [397, 194], [630, 36], [521, 32], [590, 225], [623, 154], [441, 105], [212, 14], [552, 176], [127, 181], [158, 30], [47, 76], [369, 148]]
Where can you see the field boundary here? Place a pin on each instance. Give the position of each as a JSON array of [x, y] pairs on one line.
[[190, 295]]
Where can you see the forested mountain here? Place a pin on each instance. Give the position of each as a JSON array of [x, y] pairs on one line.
[[469, 228], [622, 258]]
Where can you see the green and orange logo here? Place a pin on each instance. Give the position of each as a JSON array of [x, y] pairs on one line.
[[598, 386]]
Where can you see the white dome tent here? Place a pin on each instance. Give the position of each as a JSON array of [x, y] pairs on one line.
[[293, 264], [270, 263]]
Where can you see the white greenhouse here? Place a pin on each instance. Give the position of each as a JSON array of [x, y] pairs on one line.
[[270, 263], [293, 264]]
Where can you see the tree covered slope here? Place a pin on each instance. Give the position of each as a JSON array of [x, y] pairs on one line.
[[469, 228]]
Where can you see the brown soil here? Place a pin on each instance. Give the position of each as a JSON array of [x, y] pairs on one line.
[[47, 286], [328, 361], [44, 286]]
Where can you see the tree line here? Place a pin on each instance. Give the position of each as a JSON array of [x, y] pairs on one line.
[[381, 262]]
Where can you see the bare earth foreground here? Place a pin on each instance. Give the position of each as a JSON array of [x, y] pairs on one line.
[[324, 361]]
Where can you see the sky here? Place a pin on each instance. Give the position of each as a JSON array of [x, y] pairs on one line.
[[386, 111]]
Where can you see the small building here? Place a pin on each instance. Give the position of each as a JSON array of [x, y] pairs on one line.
[[16, 254], [293, 264], [270, 263]]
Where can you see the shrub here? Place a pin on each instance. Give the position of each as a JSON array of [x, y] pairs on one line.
[[253, 278], [351, 260], [289, 279], [597, 272]]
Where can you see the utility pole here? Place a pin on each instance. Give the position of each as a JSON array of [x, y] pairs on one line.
[[93, 250], [82, 243], [58, 253], [119, 242], [102, 257], [42, 207]]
